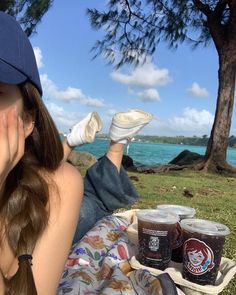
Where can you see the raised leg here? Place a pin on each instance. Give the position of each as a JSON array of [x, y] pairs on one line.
[[81, 133], [66, 149], [115, 153], [124, 127], [107, 186]]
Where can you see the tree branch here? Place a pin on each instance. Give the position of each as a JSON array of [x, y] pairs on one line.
[[214, 21], [139, 16], [204, 8], [220, 7], [169, 12], [125, 27], [232, 4], [232, 7]]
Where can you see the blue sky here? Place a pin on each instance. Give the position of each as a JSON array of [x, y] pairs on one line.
[[178, 87]]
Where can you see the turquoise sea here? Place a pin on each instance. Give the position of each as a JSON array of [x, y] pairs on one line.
[[152, 154]]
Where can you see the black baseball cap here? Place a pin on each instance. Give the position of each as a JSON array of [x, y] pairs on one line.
[[17, 59]]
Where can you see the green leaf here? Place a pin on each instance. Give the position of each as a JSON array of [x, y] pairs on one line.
[[89, 253], [97, 256], [100, 263]]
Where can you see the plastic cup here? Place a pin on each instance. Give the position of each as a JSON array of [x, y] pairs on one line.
[[183, 212], [155, 233], [203, 242]]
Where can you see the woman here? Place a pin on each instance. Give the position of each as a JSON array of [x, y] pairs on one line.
[[40, 195]]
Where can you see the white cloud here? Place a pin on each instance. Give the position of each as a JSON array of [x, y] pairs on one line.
[[51, 90], [147, 75], [132, 92], [190, 122], [63, 119], [150, 94], [194, 121], [198, 91], [39, 57]]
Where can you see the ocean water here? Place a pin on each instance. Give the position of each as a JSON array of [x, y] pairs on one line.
[[149, 154]]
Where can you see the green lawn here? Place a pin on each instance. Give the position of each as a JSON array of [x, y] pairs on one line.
[[214, 198]]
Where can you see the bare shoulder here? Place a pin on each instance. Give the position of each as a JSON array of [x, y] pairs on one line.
[[69, 185], [64, 210], [53, 246], [67, 173]]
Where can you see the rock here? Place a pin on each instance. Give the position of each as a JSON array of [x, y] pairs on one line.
[[127, 162], [133, 177], [82, 159], [146, 169], [187, 193], [187, 158]]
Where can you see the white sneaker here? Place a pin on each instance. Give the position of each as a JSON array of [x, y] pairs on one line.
[[85, 131], [126, 125]]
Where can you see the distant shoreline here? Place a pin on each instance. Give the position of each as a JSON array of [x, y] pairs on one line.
[[179, 140]]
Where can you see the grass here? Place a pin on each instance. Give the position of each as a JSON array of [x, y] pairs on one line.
[[214, 198]]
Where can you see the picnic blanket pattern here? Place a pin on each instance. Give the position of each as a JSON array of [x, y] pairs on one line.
[[99, 264]]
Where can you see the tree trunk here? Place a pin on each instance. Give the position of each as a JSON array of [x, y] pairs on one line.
[[215, 157]]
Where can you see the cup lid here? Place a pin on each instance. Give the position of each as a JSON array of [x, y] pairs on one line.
[[157, 216], [206, 227], [180, 210]]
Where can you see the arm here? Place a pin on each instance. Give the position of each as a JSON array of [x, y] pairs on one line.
[[51, 251], [66, 149]]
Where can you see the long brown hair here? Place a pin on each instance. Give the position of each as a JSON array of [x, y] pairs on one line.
[[24, 201]]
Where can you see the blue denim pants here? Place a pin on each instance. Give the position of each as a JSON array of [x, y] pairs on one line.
[[105, 190]]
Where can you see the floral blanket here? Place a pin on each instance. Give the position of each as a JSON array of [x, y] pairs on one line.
[[99, 264]]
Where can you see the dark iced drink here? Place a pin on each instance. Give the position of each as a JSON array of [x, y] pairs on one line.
[[155, 233], [203, 242], [183, 212]]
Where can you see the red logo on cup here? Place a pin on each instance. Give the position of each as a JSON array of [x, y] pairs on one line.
[[198, 257]]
